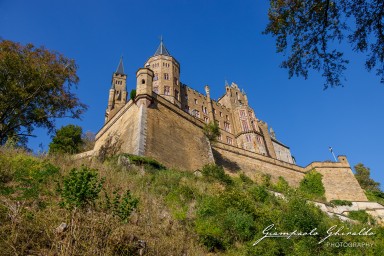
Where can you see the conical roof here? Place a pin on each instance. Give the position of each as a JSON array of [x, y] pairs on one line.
[[161, 50], [120, 68]]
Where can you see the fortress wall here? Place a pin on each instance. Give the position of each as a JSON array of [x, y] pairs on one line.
[[175, 138], [338, 179], [340, 183], [234, 159], [124, 126]]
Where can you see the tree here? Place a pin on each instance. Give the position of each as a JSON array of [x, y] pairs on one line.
[[362, 174], [68, 139], [212, 131], [309, 31], [88, 139], [35, 89]]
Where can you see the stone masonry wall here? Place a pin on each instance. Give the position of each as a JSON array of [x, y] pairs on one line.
[[338, 179], [124, 127], [175, 138], [340, 183], [234, 159]]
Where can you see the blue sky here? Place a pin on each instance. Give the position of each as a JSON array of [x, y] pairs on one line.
[[214, 41]]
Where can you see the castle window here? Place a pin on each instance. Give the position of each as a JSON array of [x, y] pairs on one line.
[[226, 117], [196, 113], [243, 114], [142, 81], [166, 76], [195, 101], [187, 109], [176, 81], [166, 90], [206, 119], [227, 127], [245, 125], [229, 140], [220, 137], [156, 89], [221, 114], [177, 94], [248, 138], [205, 110], [156, 77]]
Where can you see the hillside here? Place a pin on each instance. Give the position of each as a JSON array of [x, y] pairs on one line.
[[127, 205]]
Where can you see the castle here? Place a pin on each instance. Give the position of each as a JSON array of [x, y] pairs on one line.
[[165, 121], [236, 119]]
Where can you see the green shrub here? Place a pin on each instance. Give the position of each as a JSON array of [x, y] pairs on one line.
[[144, 161], [341, 202], [81, 188], [244, 178], [123, 206], [68, 139], [259, 193], [24, 176], [361, 216], [132, 94], [312, 186], [212, 131], [215, 172], [281, 185]]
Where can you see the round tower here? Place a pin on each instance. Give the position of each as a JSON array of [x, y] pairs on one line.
[[166, 78]]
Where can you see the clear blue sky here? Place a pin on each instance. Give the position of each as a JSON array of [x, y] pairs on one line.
[[213, 41]]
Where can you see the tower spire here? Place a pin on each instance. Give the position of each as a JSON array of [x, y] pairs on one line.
[[120, 67], [161, 50]]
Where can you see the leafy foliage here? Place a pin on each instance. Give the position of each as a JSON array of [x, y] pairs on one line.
[[341, 202], [123, 206], [132, 94], [212, 131], [35, 89], [312, 186], [24, 177], [68, 139], [310, 29], [81, 188], [362, 174], [361, 216], [215, 172]]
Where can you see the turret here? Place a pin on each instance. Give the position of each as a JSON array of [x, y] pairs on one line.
[[118, 92], [166, 77]]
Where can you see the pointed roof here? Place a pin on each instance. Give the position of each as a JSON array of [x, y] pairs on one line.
[[161, 50], [120, 68]]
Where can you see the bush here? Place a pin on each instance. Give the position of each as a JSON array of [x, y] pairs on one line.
[[341, 202], [146, 161], [215, 172], [312, 186], [123, 206], [361, 216], [281, 185], [132, 94], [68, 139], [81, 188], [212, 131]]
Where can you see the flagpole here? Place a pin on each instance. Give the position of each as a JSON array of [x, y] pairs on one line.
[[330, 149]]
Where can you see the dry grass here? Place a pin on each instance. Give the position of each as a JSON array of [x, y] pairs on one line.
[[28, 226]]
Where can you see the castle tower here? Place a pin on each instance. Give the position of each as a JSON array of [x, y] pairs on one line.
[[144, 88], [118, 92], [166, 78]]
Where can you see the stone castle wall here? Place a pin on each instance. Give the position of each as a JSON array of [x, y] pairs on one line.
[[157, 128], [175, 138]]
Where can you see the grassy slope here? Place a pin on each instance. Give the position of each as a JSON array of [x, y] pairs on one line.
[[178, 214]]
